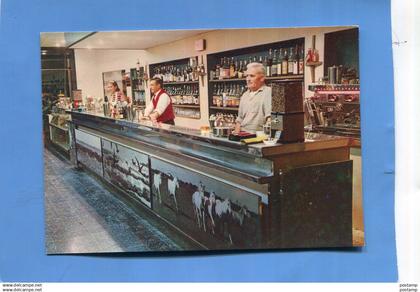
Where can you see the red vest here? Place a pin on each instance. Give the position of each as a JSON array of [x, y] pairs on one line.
[[168, 114]]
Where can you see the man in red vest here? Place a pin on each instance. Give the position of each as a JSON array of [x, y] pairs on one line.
[[160, 108]]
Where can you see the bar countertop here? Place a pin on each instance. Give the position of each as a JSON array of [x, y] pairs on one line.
[[255, 162], [313, 141]]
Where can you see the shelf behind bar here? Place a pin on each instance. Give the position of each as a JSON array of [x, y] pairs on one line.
[[188, 117], [225, 108], [286, 77], [180, 82], [187, 105]]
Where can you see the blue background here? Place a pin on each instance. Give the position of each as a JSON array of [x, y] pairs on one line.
[[22, 251]]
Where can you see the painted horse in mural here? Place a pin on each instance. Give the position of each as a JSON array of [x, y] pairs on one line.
[[173, 184], [157, 180]]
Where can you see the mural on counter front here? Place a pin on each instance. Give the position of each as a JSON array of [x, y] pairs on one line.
[[88, 149], [127, 169], [201, 205]]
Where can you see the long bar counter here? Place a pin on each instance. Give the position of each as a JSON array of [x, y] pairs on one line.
[[223, 194]]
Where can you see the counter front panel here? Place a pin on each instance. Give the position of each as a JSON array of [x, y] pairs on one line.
[[225, 197], [89, 151], [127, 169]]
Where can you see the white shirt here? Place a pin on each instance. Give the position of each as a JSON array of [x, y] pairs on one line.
[[164, 101], [254, 109]]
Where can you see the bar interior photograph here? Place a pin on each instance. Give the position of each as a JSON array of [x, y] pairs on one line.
[[204, 139]]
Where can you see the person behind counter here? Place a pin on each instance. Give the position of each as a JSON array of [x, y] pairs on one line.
[[118, 100], [255, 103], [160, 108]]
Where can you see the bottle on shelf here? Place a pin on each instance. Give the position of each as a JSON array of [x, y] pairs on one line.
[[274, 64], [265, 65], [240, 71], [232, 68], [301, 66], [222, 69], [269, 71], [250, 60], [284, 63], [290, 62], [217, 72], [316, 55], [279, 62], [226, 68], [184, 94], [295, 62]]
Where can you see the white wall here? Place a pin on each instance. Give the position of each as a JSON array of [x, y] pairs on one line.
[[91, 63]]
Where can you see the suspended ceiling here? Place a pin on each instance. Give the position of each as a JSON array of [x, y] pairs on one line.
[[116, 40]]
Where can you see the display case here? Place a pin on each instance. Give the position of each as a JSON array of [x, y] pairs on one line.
[[181, 81], [59, 130], [283, 62]]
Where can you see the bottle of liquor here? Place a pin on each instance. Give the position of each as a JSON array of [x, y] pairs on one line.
[[316, 55], [168, 74], [189, 71], [240, 70], [249, 60], [217, 72], [226, 68], [269, 71], [232, 68], [222, 71], [236, 69], [290, 63], [284, 63], [260, 60], [179, 76], [265, 65], [295, 62], [173, 73], [301, 63], [165, 73], [279, 61]]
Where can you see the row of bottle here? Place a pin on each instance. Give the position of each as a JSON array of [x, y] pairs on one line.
[[185, 99], [225, 101], [175, 73], [278, 62], [222, 120], [229, 89], [182, 89], [186, 112]]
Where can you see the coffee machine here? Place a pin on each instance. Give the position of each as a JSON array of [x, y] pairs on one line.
[[287, 115]]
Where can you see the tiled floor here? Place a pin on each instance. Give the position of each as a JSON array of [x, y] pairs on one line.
[[82, 216]]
